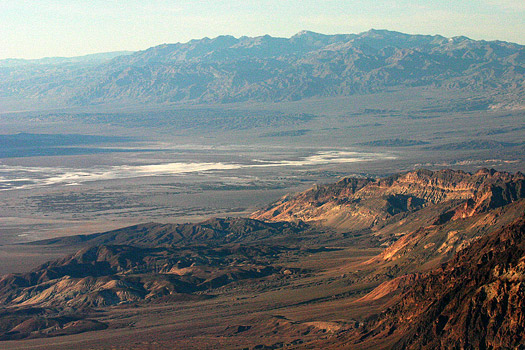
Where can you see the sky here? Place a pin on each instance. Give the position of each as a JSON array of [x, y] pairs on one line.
[[63, 28]]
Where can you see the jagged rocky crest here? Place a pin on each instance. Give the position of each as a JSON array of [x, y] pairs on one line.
[[421, 218], [356, 204]]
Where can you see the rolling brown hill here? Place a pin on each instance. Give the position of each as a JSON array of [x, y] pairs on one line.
[[109, 275], [211, 231], [44, 302]]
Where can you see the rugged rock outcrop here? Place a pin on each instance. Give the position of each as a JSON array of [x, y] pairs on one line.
[[356, 204], [438, 242], [422, 218], [475, 301], [453, 266]]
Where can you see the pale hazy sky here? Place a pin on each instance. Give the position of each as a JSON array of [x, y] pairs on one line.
[[43, 28]]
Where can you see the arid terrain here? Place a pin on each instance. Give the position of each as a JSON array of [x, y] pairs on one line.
[[360, 191], [361, 263]]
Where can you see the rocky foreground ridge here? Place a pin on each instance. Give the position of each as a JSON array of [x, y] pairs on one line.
[[421, 217], [422, 260], [474, 301]]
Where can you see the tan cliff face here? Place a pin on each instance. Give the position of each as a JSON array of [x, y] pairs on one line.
[[354, 204], [422, 218]]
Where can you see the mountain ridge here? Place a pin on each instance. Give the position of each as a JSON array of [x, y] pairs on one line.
[[226, 69], [214, 231], [331, 204]]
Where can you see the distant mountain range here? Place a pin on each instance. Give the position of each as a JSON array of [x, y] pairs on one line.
[[229, 69], [92, 58]]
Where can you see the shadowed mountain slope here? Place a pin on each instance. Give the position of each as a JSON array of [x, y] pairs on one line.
[[59, 297], [422, 218], [115, 274], [419, 260]]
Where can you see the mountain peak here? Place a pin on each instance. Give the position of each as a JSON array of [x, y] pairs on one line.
[[382, 32], [307, 34]]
